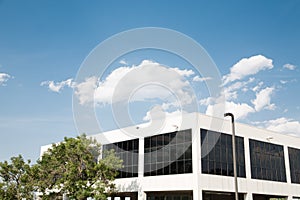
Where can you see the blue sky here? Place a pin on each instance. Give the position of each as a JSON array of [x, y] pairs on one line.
[[42, 41]]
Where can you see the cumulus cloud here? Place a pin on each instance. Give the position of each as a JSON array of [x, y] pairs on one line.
[[148, 80], [183, 72], [240, 110], [104, 90], [207, 101], [289, 66], [230, 92], [246, 67], [245, 89], [4, 78], [282, 125], [235, 82], [263, 99], [123, 62], [155, 119], [217, 106], [58, 86], [85, 90], [257, 87], [157, 112], [201, 79], [169, 105], [283, 82]]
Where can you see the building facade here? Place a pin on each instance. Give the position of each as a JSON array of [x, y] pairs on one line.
[[193, 160]]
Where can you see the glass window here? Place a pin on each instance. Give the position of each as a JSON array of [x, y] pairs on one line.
[[294, 157], [178, 195], [218, 160], [267, 161], [128, 152], [214, 195], [169, 153]]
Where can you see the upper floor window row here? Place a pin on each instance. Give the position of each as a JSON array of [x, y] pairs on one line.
[[217, 156]]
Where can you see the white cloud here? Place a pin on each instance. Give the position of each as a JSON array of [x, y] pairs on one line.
[[85, 90], [169, 105], [240, 110], [217, 106], [123, 62], [230, 95], [289, 66], [207, 101], [283, 82], [282, 125], [158, 113], [248, 66], [4, 78], [201, 79], [257, 87], [58, 86], [245, 89], [263, 99], [147, 80], [230, 91], [104, 90], [155, 119], [184, 72]]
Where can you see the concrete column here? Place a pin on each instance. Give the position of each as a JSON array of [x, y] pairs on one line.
[[287, 164], [197, 194], [290, 198], [248, 196], [247, 158], [142, 195], [196, 157], [141, 158]]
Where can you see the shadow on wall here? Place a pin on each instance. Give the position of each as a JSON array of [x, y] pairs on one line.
[[134, 186], [128, 191]]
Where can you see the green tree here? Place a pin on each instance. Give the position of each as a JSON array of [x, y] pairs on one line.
[[72, 167], [16, 179]]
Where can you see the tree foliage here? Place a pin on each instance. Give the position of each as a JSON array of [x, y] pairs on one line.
[[16, 179], [72, 167]]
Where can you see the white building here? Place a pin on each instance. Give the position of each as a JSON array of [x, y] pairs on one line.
[[193, 160]]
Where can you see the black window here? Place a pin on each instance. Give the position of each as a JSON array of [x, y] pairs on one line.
[[294, 157], [167, 195], [216, 154], [213, 195], [267, 161], [169, 153], [128, 152]]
